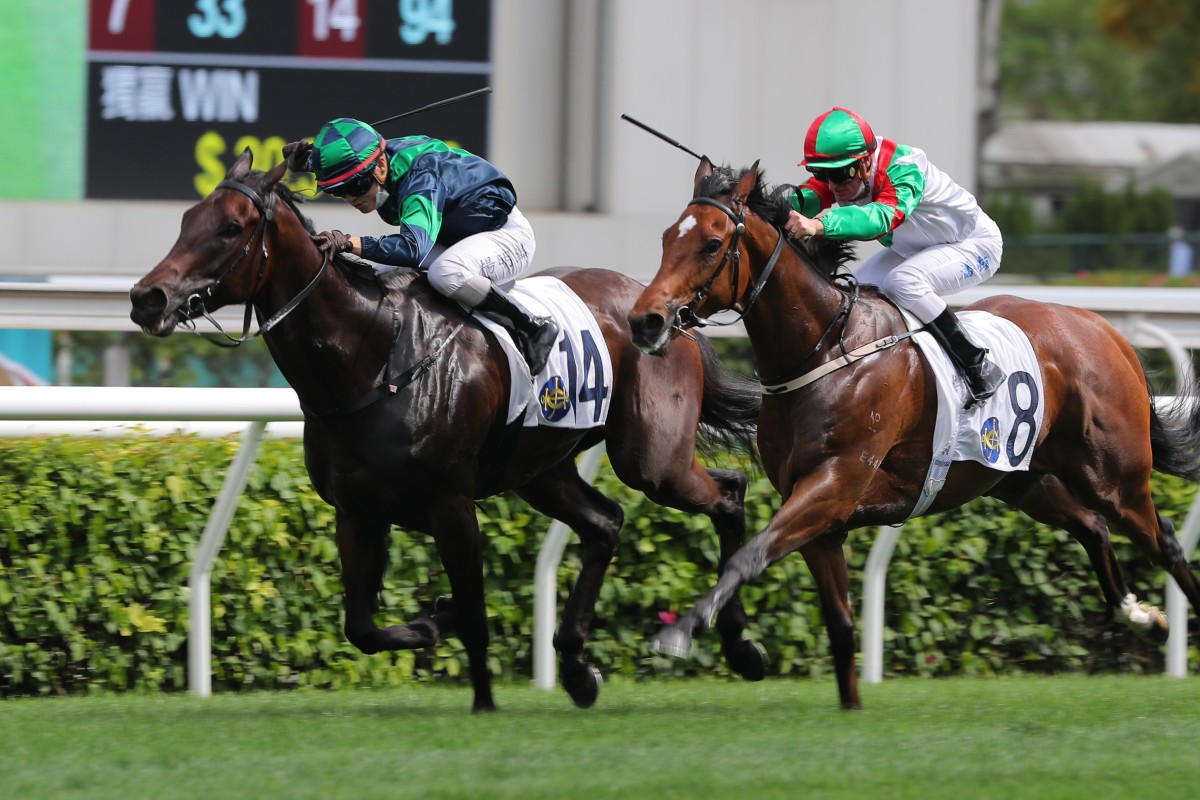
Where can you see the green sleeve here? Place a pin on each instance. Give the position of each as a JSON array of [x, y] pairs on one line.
[[902, 187], [806, 201]]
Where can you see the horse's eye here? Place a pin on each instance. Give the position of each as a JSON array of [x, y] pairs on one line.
[[231, 230], [711, 247]]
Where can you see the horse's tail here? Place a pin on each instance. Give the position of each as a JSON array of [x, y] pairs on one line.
[[1175, 433], [729, 410]]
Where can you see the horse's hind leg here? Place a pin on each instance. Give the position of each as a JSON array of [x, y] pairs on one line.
[[561, 494], [1154, 534], [1174, 561], [728, 515], [1047, 499]]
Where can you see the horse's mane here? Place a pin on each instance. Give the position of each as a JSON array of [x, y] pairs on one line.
[[255, 179], [773, 204], [352, 266]]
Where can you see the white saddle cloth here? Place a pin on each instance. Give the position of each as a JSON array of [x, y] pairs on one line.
[[1001, 431], [574, 388]]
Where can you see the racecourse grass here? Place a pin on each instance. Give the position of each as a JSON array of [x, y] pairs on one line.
[[1061, 737]]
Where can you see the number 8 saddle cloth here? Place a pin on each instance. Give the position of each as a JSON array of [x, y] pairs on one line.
[[1000, 432]]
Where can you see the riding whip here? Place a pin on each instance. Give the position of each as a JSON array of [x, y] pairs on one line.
[[662, 136], [434, 105]]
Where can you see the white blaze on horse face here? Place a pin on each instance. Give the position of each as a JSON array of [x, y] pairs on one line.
[[686, 225]]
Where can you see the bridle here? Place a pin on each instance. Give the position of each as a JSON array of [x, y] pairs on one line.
[[798, 376], [195, 303], [686, 316]]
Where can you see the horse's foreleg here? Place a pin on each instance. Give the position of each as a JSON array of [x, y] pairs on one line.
[[827, 561], [455, 530], [746, 564], [811, 509], [362, 547], [563, 495]]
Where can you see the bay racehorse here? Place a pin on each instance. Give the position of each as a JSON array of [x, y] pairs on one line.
[[405, 400], [851, 448]]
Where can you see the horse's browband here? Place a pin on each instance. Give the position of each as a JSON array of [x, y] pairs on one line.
[[267, 209]]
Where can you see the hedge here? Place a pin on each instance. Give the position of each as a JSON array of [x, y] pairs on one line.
[[97, 538]]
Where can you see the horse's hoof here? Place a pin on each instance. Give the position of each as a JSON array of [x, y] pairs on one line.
[[443, 604], [582, 682], [1159, 630], [1147, 620], [748, 659], [421, 632], [672, 641]]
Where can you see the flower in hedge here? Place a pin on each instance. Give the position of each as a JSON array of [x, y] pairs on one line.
[[668, 617]]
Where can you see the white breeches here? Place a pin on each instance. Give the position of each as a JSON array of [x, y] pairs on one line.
[[916, 283], [466, 270]]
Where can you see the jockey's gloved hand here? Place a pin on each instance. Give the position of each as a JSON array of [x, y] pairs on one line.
[[333, 242], [296, 154]]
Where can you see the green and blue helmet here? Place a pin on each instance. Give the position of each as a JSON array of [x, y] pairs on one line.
[[837, 138], [343, 149]]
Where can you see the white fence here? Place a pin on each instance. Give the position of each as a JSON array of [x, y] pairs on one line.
[[1164, 318], [258, 407]]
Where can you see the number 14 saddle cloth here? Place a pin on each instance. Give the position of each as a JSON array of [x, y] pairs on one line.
[[574, 388], [1001, 431]]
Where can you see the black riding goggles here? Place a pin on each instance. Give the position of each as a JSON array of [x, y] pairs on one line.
[[355, 187], [836, 175]]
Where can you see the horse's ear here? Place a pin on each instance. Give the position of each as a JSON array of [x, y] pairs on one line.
[[241, 165], [276, 173], [702, 171], [744, 186]]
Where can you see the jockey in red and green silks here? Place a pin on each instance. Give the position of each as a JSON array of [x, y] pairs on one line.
[[936, 238], [456, 215]]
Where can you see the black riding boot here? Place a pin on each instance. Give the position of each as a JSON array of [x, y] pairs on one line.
[[533, 335], [983, 377]]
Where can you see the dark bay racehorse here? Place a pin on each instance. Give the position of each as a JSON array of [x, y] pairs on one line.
[[420, 455], [852, 448]]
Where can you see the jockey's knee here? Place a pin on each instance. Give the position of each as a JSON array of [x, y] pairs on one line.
[[449, 277], [472, 292], [909, 290]]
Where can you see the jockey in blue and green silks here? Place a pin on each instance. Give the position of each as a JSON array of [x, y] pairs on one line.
[[936, 238], [457, 216]]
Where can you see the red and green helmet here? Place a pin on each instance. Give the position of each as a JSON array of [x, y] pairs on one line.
[[837, 138], [342, 150]]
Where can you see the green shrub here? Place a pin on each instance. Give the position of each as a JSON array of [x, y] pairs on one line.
[[97, 539]]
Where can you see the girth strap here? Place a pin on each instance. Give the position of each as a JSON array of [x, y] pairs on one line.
[[843, 360]]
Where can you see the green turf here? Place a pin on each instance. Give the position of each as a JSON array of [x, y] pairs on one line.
[[1063, 737]]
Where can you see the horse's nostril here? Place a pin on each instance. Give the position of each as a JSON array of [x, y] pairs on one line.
[[647, 328], [150, 298]]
